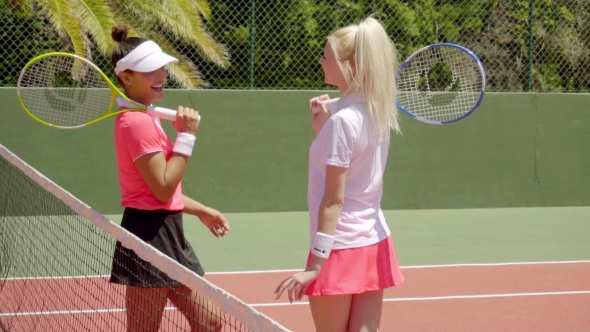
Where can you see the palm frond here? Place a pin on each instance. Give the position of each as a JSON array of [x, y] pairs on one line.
[[202, 6], [205, 43], [62, 16], [97, 19], [184, 72], [178, 18], [27, 7]]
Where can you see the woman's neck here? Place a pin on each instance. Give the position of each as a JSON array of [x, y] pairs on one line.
[[344, 88], [139, 98]]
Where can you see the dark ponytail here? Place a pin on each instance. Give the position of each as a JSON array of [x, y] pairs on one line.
[[125, 44]]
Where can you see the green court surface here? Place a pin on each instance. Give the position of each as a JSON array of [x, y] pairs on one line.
[[279, 241], [270, 241]]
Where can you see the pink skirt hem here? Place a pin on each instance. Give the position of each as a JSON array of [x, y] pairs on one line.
[[357, 270]]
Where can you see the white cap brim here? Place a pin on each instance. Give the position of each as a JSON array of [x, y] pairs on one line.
[[153, 62], [146, 57]]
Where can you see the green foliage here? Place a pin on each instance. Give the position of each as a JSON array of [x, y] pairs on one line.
[[84, 27], [287, 46], [279, 43], [20, 35]]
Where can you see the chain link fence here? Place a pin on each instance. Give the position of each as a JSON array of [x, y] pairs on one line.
[[526, 45]]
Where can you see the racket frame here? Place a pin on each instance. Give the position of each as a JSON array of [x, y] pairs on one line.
[[330, 103], [160, 112], [462, 48]]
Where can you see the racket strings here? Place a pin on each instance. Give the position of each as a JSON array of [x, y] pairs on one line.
[[440, 84], [64, 91]]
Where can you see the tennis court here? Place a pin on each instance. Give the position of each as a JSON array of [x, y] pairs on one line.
[[522, 269], [496, 269]]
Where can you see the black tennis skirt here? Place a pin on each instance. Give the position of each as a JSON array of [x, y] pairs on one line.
[[164, 231]]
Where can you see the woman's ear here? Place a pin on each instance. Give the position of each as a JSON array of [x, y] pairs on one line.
[[125, 78]]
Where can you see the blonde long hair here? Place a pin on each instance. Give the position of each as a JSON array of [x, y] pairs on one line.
[[374, 56]]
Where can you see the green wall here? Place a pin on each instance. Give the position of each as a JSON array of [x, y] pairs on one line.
[[517, 150]]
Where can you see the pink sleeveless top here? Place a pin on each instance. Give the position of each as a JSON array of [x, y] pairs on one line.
[[136, 134]]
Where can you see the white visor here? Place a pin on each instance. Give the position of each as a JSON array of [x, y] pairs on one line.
[[146, 57]]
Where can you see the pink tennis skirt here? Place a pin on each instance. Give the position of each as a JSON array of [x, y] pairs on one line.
[[357, 270]]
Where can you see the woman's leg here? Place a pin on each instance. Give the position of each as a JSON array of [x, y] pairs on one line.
[[365, 313], [202, 315], [145, 307], [330, 313]]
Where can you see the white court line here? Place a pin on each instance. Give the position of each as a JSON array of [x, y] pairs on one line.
[[68, 312], [419, 266], [55, 278], [435, 298], [295, 270], [278, 304]]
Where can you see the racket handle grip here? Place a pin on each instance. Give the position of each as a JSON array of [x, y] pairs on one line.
[[164, 113], [330, 104]]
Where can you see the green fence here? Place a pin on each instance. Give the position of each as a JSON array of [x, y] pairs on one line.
[[526, 45], [517, 150]]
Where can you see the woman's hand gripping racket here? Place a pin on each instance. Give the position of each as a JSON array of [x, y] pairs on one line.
[[66, 91], [438, 84]]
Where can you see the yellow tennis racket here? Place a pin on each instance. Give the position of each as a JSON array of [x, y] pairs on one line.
[[66, 91]]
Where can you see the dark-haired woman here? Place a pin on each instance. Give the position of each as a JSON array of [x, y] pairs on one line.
[[150, 168]]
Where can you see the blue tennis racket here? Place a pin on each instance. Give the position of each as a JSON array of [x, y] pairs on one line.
[[439, 84]]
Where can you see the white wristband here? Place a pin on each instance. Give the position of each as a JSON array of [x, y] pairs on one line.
[[184, 144], [321, 245]]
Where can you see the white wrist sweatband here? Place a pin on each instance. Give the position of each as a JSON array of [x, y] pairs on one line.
[[184, 144], [321, 245]]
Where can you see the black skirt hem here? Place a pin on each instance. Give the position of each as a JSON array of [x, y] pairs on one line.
[[164, 231]]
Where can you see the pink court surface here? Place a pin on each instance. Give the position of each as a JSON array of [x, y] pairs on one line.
[[524, 297]]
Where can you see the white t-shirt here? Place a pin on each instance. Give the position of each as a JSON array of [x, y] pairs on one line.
[[343, 141]]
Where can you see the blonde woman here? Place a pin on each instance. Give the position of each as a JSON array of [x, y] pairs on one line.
[[352, 258]]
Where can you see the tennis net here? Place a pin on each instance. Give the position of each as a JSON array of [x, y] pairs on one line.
[[56, 255]]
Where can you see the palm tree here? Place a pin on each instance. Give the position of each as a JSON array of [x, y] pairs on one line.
[[176, 25]]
